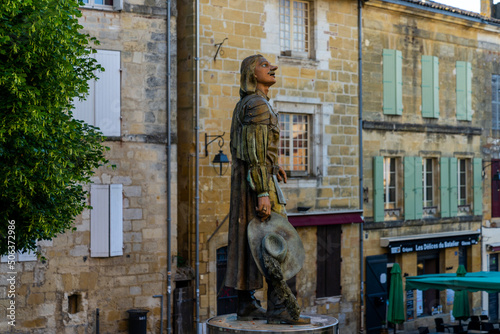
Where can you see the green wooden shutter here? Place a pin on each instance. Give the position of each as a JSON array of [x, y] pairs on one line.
[[477, 187], [444, 187], [430, 87], [469, 91], [409, 187], [378, 189], [453, 187], [393, 82], [418, 188], [464, 91]]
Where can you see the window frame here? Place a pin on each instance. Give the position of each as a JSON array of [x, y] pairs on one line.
[[292, 148], [388, 162], [116, 6], [307, 27], [495, 101]]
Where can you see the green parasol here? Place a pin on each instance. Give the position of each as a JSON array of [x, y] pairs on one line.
[[461, 310], [396, 313]]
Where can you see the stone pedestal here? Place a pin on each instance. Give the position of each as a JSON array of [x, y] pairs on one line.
[[320, 324]]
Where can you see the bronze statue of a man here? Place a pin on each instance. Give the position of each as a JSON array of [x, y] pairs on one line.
[[255, 195]]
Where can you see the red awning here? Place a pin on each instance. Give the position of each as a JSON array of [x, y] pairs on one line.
[[330, 218]]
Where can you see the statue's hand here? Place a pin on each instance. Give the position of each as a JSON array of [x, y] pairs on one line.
[[263, 207], [281, 174]]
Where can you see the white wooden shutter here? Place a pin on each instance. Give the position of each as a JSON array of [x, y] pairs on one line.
[[84, 110], [115, 220], [117, 4], [99, 220], [27, 256], [107, 93]]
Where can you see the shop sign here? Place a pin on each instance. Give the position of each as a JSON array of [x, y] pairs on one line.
[[425, 245]]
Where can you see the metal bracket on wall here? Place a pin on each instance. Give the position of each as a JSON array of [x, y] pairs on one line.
[[219, 45]]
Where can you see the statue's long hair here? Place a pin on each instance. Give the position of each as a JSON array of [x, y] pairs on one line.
[[248, 83]]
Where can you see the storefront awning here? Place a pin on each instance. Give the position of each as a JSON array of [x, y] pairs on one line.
[[478, 281], [495, 247], [325, 218], [430, 241]]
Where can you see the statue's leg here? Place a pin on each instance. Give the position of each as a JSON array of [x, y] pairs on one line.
[[249, 307]]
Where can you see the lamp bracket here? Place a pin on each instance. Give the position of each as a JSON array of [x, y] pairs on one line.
[[220, 142]]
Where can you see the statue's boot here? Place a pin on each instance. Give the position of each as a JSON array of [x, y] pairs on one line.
[[249, 307], [277, 310]]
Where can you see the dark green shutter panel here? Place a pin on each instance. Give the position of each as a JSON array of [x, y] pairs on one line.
[[378, 189], [430, 87], [409, 188], [393, 82], [445, 187], [464, 90], [478, 187], [418, 188], [453, 187]]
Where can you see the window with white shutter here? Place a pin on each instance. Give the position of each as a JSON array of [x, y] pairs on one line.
[[103, 4], [106, 220], [101, 107]]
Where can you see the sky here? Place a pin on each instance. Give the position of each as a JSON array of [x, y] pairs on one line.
[[471, 5]]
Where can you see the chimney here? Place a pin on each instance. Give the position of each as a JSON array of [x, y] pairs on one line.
[[487, 8]]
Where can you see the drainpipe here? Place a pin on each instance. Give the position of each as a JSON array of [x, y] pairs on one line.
[[360, 129], [169, 181], [197, 165]]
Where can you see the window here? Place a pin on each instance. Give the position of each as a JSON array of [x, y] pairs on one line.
[[464, 91], [390, 177], [386, 188], [104, 4], [328, 261], [427, 182], [461, 187], [393, 82], [102, 105], [413, 187], [430, 87], [495, 101], [294, 143], [462, 182], [294, 28], [106, 220]]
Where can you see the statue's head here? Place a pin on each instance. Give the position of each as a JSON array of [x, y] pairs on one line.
[[248, 82]]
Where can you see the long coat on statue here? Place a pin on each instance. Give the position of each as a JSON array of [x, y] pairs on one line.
[[255, 137]]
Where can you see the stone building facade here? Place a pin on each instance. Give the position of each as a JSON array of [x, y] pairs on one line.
[[316, 96], [427, 78], [115, 260]]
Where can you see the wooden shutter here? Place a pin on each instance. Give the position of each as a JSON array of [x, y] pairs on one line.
[[118, 4], [413, 187], [453, 187], [495, 189], [107, 93], [115, 220], [418, 188], [445, 187], [464, 90], [378, 189], [393, 82], [495, 99], [409, 187], [430, 87], [99, 220], [477, 187], [84, 110]]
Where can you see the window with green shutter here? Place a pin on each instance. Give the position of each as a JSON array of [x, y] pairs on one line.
[[464, 90], [477, 187], [430, 87], [393, 82], [413, 187]]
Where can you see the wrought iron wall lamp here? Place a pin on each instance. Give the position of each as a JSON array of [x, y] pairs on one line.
[[220, 158]]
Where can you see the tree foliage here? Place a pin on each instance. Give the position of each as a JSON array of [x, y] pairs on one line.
[[46, 156]]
